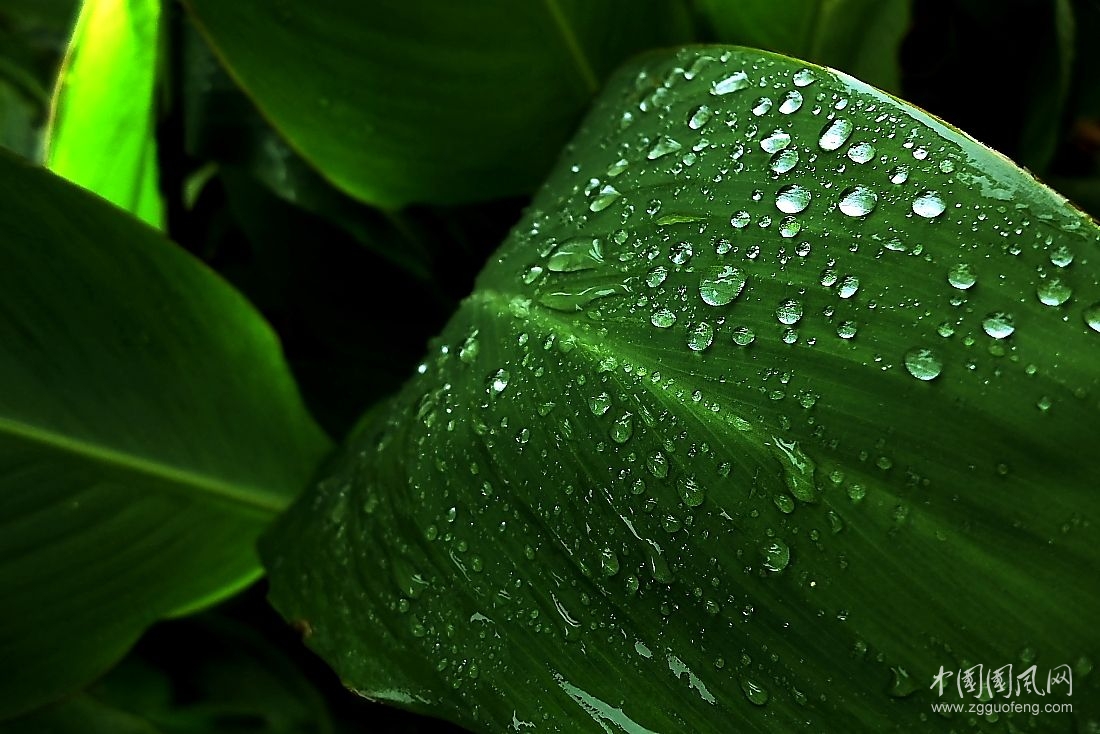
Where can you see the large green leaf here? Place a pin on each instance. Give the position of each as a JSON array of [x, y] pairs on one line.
[[101, 132], [860, 37], [392, 103], [782, 395], [149, 430]]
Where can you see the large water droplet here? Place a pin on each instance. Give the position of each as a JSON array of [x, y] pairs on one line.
[[836, 134], [792, 199], [740, 220], [622, 429], [961, 276], [607, 196], [657, 463], [498, 381], [784, 160], [762, 106], [791, 103], [861, 152], [777, 140], [656, 276], [680, 253], [804, 78], [857, 201], [577, 254], [662, 318], [776, 556], [699, 117], [700, 337], [469, 350], [721, 284], [732, 83], [609, 562], [999, 325], [923, 364], [899, 174], [1092, 316], [691, 494], [743, 336], [928, 205], [663, 147], [1061, 256], [848, 287], [753, 692], [789, 312], [1053, 292]]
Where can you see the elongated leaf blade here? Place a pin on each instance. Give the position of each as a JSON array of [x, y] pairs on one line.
[[394, 106], [149, 430], [765, 413], [102, 127]]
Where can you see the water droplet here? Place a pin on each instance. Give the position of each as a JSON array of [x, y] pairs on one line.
[[576, 300], [792, 199], [776, 141], [617, 167], [740, 220], [1092, 316], [701, 116], [680, 253], [753, 692], [663, 147], [791, 103], [743, 336], [700, 337], [804, 78], [1061, 256], [623, 428], [1053, 292], [576, 254], [961, 276], [599, 404], [899, 174], [607, 196], [498, 381], [691, 494], [532, 274], [784, 160], [657, 464], [721, 285], [732, 83], [762, 106], [470, 348], [858, 201], [999, 325], [928, 205], [609, 562], [846, 329], [789, 227], [789, 312], [923, 364], [663, 318], [836, 134], [657, 276], [776, 555], [848, 286], [861, 152]]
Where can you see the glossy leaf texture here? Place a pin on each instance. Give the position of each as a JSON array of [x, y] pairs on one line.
[[102, 124], [780, 397], [394, 106], [149, 430]]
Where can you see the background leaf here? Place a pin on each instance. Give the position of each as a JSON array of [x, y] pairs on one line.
[[148, 431], [102, 125], [393, 106], [777, 400]]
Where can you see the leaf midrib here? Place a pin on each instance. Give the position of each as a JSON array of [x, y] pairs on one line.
[[252, 500]]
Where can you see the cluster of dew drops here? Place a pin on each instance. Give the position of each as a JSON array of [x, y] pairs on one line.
[[720, 285]]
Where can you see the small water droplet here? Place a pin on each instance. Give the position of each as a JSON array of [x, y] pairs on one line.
[[857, 201], [776, 555], [762, 106], [899, 174], [846, 329], [701, 116], [804, 78], [784, 160], [1053, 292], [777, 140], [657, 464], [791, 103], [1092, 316], [732, 83], [861, 152], [691, 494], [623, 428], [721, 284], [999, 325], [609, 562], [663, 147], [1061, 256], [740, 220], [928, 205], [656, 276], [753, 692], [663, 318], [836, 134], [743, 336], [961, 276], [923, 364], [700, 337], [848, 287], [469, 350], [789, 227], [599, 404], [792, 199], [789, 312], [498, 381], [680, 253]]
